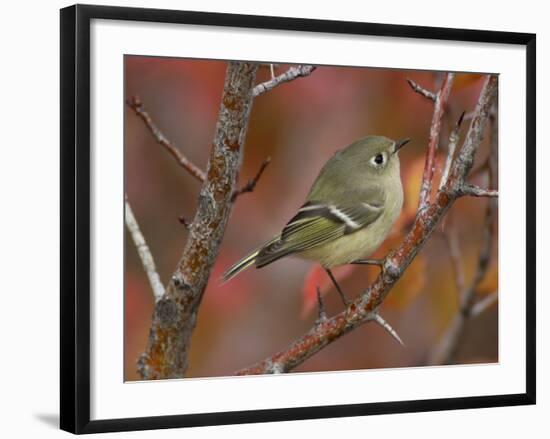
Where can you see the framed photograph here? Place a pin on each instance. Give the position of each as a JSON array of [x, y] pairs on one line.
[[304, 218]]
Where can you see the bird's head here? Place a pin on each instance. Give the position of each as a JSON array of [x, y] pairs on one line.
[[375, 155]]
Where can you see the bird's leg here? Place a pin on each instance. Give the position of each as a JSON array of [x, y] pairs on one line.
[[333, 279], [322, 313]]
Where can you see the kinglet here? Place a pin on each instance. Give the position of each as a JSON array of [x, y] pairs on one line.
[[348, 213]]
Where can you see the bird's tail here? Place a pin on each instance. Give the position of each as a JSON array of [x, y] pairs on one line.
[[241, 265]]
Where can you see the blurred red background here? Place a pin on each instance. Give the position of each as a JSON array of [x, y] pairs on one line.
[[299, 125]]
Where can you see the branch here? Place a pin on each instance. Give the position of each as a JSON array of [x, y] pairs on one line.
[[291, 74], [251, 184], [475, 191], [175, 315], [445, 351], [143, 251], [362, 308], [422, 91], [439, 109], [135, 104]]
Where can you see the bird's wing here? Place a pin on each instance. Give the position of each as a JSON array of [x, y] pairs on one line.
[[318, 223]]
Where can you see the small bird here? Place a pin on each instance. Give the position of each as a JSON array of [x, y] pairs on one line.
[[348, 212]]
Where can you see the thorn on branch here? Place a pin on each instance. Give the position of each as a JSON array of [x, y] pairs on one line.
[[386, 326], [460, 119], [251, 184], [422, 91], [291, 74], [183, 221], [453, 141], [136, 104]]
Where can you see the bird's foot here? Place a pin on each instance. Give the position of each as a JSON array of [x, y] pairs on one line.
[[377, 262], [387, 266]]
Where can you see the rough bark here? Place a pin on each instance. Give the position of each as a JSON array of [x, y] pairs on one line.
[[446, 350], [175, 315]]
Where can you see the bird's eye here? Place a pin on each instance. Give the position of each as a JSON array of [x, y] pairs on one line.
[[378, 159]]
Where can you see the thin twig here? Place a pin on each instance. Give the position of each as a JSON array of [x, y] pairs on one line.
[[361, 310], [143, 251], [421, 90], [484, 304], [475, 191], [291, 74], [251, 184], [435, 129], [135, 104]]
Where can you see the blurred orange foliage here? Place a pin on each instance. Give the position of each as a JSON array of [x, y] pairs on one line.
[[299, 125]]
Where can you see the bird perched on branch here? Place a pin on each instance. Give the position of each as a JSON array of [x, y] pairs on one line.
[[348, 212]]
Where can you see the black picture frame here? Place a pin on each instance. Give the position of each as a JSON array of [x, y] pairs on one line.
[[75, 217]]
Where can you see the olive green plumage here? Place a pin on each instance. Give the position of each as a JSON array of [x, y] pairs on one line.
[[348, 212]]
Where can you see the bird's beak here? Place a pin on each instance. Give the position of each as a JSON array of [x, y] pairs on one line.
[[400, 144]]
